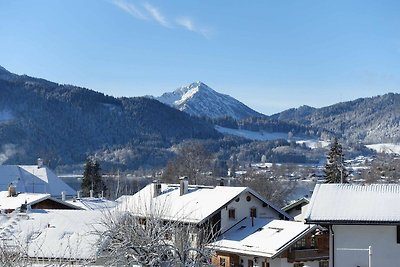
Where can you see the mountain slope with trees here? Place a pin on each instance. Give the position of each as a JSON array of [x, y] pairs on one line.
[[367, 120], [65, 123]]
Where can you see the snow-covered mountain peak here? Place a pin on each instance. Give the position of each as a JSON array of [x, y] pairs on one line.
[[199, 99]]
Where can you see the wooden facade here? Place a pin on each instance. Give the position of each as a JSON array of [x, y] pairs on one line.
[[49, 204], [312, 247]]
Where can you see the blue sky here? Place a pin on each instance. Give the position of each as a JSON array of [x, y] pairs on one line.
[[271, 55]]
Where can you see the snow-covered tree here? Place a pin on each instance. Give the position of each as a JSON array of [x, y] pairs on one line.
[[152, 240], [335, 169]]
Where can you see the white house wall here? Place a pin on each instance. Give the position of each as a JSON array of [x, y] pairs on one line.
[[300, 217], [242, 208], [277, 262], [385, 250]]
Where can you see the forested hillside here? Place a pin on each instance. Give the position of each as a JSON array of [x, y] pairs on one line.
[[365, 120], [64, 123]]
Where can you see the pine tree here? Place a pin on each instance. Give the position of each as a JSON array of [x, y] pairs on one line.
[[92, 179], [335, 169]]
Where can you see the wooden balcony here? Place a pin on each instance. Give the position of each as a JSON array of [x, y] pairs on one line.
[[307, 254]]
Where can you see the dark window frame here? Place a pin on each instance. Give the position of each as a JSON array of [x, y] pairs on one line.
[[232, 213]]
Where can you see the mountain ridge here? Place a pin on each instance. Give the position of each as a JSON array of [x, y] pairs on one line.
[[198, 99], [369, 120]]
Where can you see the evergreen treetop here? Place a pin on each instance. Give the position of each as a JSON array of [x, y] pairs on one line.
[[335, 169], [92, 179]]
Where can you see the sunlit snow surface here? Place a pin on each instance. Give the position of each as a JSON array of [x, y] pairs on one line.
[[385, 148], [266, 136], [66, 234]]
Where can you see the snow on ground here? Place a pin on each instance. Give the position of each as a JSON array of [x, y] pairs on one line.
[[265, 136], [260, 136], [389, 148], [312, 143]]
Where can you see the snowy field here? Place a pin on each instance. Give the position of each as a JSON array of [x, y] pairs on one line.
[[260, 136], [385, 148], [312, 143], [265, 136]]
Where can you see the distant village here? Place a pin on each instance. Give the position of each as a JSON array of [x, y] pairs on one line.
[[45, 222]]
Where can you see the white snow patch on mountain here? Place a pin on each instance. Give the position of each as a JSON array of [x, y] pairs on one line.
[[266, 136], [312, 143], [259, 136], [389, 148]]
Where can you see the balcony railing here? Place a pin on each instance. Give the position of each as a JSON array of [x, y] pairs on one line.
[[307, 254]]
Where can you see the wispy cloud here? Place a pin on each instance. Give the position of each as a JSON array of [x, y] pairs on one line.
[[156, 15], [189, 25], [151, 13], [130, 8]]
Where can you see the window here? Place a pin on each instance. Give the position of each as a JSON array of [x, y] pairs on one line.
[[250, 263], [248, 198], [324, 264], [398, 234], [222, 262], [265, 264], [253, 212], [232, 214], [301, 243]]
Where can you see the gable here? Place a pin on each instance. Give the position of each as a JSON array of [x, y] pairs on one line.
[[33, 179]]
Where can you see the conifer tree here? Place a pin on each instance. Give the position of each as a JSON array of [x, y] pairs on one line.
[[335, 169], [92, 179]]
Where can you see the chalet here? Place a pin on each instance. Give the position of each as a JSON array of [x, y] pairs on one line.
[[359, 217], [33, 179], [273, 243], [222, 206]]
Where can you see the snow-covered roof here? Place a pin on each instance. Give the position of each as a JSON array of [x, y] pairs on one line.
[[265, 238], [355, 204], [33, 179], [61, 234], [93, 203], [302, 201], [15, 202], [198, 204]]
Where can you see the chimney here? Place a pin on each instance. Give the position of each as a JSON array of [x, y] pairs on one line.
[[78, 194], [184, 185], [63, 195], [91, 193], [39, 163], [156, 188], [12, 190]]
